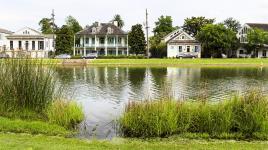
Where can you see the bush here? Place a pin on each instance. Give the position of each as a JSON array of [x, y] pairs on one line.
[[244, 116], [26, 86], [65, 113]]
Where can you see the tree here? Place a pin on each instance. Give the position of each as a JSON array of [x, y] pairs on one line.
[[193, 25], [136, 40], [216, 40], [119, 20], [46, 25], [163, 27], [73, 24], [64, 40], [256, 39], [232, 24]]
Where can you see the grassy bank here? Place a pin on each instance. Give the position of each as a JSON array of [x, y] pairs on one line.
[[174, 62], [24, 141], [243, 117]]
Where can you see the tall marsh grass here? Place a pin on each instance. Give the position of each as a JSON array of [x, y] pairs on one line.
[[245, 115]]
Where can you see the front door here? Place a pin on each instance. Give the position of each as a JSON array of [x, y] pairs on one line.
[[27, 45]]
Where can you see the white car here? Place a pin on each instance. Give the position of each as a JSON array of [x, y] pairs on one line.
[[63, 56]]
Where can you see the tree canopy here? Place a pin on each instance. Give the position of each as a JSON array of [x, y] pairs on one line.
[[256, 38], [163, 26], [193, 25], [232, 24], [73, 24], [136, 40], [119, 20], [47, 25], [216, 40], [64, 40]]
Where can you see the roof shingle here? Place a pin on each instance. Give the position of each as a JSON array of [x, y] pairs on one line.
[[262, 26], [102, 29], [5, 31]]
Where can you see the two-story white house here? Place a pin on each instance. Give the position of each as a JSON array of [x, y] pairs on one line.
[[180, 43], [28, 42], [3, 39], [103, 38], [242, 36]]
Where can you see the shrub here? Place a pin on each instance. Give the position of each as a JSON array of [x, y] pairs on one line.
[[65, 113], [244, 117], [25, 85]]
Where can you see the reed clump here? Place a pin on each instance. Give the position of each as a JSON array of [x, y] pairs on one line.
[[241, 115]]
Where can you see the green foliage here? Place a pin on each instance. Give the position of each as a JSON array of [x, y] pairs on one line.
[[158, 50], [136, 40], [163, 26], [47, 26], [193, 25], [31, 127], [73, 24], [256, 39], [216, 40], [232, 24], [64, 40], [244, 116], [119, 20], [65, 113], [25, 85]]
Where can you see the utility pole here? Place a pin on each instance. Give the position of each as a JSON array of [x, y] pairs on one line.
[[147, 34], [53, 27]]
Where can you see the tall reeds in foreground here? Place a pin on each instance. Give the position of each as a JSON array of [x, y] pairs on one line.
[[25, 85], [243, 115]]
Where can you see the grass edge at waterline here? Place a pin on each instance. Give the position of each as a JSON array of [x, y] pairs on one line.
[[246, 116]]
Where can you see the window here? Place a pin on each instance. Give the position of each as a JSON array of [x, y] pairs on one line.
[[11, 45], [241, 52], [183, 37], [196, 49], [40, 45], [27, 45], [188, 48], [110, 40], [119, 40], [26, 32], [93, 41], [93, 30], [20, 45], [33, 45], [180, 48], [264, 53], [110, 30], [87, 40], [102, 40]]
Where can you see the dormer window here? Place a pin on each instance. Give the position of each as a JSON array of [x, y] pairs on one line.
[[183, 37], [109, 30], [26, 32], [94, 30]]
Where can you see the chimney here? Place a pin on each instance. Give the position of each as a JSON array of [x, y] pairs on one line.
[[116, 23]]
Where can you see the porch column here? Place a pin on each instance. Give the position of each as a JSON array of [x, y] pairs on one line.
[[116, 42], [106, 50], [74, 46], [95, 43], [127, 46], [84, 38]]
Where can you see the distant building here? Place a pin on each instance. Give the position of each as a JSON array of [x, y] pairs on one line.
[[3, 40], [242, 36], [104, 39], [180, 43], [28, 42]]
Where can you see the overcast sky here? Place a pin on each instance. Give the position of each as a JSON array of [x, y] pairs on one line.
[[15, 14]]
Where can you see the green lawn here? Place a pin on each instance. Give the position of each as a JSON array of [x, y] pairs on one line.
[[242, 61], [24, 141]]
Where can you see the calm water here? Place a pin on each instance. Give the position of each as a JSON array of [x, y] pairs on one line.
[[104, 91]]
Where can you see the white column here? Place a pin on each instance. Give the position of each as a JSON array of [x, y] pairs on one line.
[[116, 42], [127, 46], [84, 45], [95, 42], [106, 43], [74, 46]]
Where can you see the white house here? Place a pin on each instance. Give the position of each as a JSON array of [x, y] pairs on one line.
[[179, 42], [103, 38], [29, 42], [3, 39], [242, 36]]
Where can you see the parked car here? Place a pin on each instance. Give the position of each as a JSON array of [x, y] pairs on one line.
[[92, 55], [3, 55], [187, 55], [63, 56]]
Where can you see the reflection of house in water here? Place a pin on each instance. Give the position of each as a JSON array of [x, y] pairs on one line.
[[181, 81]]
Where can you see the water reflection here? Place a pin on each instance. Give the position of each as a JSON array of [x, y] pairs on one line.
[[104, 91]]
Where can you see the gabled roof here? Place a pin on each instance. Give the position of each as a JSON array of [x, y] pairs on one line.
[[102, 29], [5, 31], [263, 26], [176, 33]]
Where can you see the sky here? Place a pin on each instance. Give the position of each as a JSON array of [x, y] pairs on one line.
[[16, 14]]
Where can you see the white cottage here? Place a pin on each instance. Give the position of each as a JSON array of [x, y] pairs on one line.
[[3, 39], [179, 42], [29, 42], [242, 36]]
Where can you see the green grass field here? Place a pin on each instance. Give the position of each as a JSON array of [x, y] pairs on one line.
[[29, 142]]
